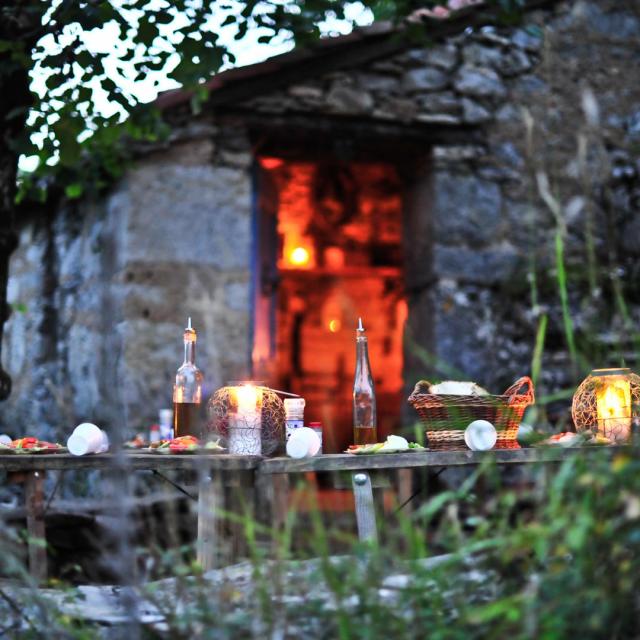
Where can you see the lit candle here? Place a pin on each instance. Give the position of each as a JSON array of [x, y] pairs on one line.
[[613, 403], [247, 397], [245, 423]]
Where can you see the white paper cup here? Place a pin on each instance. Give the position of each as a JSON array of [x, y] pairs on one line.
[[302, 443], [105, 443], [78, 445], [87, 429], [87, 438], [480, 435]]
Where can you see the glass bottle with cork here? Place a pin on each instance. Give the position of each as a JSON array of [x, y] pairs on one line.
[[364, 396], [187, 391]]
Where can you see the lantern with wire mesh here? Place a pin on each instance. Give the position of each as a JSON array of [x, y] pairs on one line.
[[607, 402], [248, 418]]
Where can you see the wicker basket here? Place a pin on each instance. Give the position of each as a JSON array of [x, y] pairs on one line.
[[446, 417]]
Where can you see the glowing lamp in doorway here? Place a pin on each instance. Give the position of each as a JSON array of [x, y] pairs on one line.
[[299, 257], [607, 401]]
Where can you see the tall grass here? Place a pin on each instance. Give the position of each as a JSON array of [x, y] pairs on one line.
[[558, 556]]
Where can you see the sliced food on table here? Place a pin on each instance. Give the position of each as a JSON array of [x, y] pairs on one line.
[[31, 445], [135, 443], [571, 439], [393, 444]]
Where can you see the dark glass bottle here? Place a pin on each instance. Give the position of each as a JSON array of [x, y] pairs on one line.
[[364, 396], [187, 391]]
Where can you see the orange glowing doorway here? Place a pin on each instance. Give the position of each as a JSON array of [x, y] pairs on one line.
[[329, 248]]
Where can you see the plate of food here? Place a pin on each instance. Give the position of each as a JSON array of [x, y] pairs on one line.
[[136, 443], [31, 446], [184, 444], [571, 439], [393, 444]]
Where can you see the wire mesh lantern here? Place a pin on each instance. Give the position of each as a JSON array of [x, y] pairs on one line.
[[248, 418], [607, 402]]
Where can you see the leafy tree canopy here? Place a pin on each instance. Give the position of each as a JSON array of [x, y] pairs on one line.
[[83, 147]]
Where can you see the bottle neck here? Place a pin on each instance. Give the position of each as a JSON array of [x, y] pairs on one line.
[[189, 352], [362, 356], [362, 347]]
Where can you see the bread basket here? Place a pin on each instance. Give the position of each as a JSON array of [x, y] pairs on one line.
[[447, 416]]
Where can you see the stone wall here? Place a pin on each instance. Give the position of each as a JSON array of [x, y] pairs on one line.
[[560, 158], [102, 292], [554, 109], [553, 101]]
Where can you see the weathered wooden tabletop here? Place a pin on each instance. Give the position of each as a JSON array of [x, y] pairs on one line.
[[127, 460], [349, 462], [327, 462]]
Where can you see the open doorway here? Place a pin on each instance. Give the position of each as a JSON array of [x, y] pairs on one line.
[[329, 247]]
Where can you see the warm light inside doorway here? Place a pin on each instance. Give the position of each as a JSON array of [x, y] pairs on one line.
[[299, 257]]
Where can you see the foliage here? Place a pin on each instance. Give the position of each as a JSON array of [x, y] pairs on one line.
[[81, 147], [556, 558]]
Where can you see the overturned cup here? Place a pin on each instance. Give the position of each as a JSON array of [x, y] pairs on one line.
[[87, 438], [303, 442], [480, 435]]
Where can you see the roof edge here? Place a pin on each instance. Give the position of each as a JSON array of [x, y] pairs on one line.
[[223, 87]]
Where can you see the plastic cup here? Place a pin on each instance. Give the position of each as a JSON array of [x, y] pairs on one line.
[[105, 443], [87, 438], [304, 442], [480, 435]]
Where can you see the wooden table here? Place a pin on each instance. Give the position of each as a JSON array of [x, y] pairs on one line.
[[212, 470], [261, 476], [361, 467]]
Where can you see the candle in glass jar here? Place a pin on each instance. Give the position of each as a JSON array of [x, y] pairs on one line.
[[245, 422]]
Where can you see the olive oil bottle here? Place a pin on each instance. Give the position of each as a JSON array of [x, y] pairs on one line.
[[187, 391], [364, 396]]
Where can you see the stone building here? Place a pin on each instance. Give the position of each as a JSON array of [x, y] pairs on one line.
[[432, 185]]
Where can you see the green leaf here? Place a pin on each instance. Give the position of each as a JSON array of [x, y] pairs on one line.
[[74, 190], [19, 307]]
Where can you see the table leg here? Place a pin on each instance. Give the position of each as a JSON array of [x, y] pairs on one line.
[[280, 501], [365, 510], [240, 503], [209, 502], [34, 499], [272, 504], [405, 489]]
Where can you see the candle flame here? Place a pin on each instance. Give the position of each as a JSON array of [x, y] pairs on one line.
[[247, 397]]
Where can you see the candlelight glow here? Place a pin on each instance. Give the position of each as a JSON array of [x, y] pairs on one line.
[[299, 257], [247, 397], [613, 402]]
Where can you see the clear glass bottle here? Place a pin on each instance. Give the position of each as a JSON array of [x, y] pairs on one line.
[[187, 391], [364, 395]]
